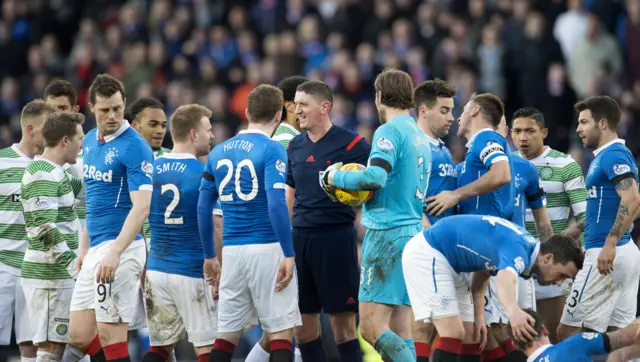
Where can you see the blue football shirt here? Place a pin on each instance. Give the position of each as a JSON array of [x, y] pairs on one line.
[[486, 148], [484, 243], [244, 168], [176, 247], [114, 166], [529, 194], [612, 163], [443, 174], [579, 348]]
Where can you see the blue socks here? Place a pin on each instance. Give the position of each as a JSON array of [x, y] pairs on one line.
[[391, 346], [412, 347]]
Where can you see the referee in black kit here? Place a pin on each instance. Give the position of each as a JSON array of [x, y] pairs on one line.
[[324, 238]]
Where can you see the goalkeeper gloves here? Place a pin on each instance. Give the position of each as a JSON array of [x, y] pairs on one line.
[[329, 189]]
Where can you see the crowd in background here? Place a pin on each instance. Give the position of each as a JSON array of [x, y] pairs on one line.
[[541, 53]]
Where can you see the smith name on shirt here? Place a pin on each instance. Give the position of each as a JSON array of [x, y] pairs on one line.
[[172, 166]]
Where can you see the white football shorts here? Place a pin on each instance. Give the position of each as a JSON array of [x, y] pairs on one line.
[[49, 313], [598, 301], [247, 290], [435, 289], [115, 302], [177, 303], [13, 307]]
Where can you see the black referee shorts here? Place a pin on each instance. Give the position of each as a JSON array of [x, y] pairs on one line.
[[327, 266]]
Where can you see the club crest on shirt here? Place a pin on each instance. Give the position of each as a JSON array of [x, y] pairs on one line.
[[589, 335], [111, 154], [280, 166], [621, 169], [519, 264], [385, 144]]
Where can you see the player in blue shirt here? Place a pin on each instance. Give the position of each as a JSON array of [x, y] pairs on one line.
[[580, 347], [433, 108], [398, 172], [605, 297], [175, 263], [117, 168], [484, 185], [247, 174], [486, 245]]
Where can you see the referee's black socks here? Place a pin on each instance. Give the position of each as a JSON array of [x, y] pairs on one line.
[[350, 351], [281, 350], [313, 351]]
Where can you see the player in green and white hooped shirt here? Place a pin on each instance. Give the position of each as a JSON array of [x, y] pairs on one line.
[[52, 226], [13, 236], [288, 128], [562, 180], [63, 97]]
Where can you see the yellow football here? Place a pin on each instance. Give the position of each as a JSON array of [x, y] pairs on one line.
[[350, 197]]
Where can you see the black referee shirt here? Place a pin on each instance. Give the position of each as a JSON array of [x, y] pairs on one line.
[[307, 162]]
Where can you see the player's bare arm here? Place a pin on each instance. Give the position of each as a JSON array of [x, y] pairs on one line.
[[543, 223], [574, 231], [499, 174], [624, 343], [479, 285], [521, 322], [291, 198], [83, 248], [627, 189], [140, 201]]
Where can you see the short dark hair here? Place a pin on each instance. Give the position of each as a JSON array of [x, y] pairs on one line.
[[491, 107], [60, 124], [317, 89], [396, 89], [263, 103], [59, 88], [288, 86], [33, 110], [186, 118], [601, 107], [427, 92], [564, 250], [529, 112], [133, 111], [105, 85], [537, 326]]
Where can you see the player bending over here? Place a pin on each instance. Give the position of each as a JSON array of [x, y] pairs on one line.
[[13, 235], [603, 294], [579, 347], [434, 107], [487, 245], [398, 170], [118, 164], [247, 173], [174, 284], [53, 227], [563, 182]]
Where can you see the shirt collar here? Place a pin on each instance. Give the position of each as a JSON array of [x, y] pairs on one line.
[[178, 156], [115, 134], [538, 352], [253, 131], [534, 256], [601, 148], [544, 154], [16, 149], [470, 142], [436, 142]]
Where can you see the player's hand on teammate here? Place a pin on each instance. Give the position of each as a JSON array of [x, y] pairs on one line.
[[442, 202], [285, 273], [211, 269], [522, 325], [327, 180], [107, 268], [605, 259]]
